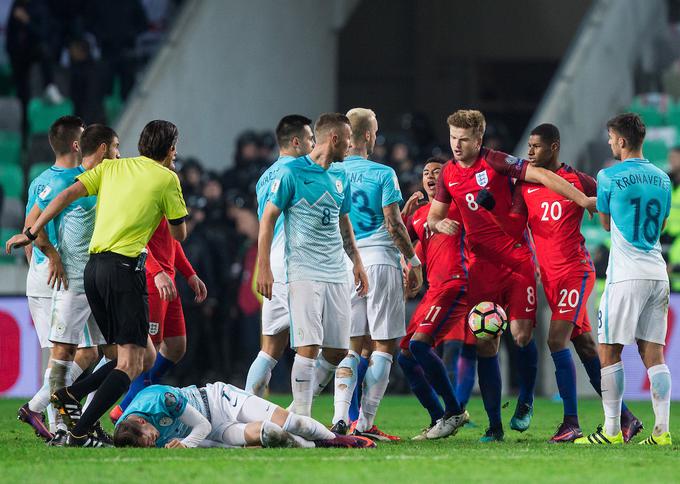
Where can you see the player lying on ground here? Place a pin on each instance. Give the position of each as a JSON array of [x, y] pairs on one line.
[[219, 415]]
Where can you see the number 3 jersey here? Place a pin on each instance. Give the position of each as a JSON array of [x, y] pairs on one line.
[[313, 200], [373, 186], [637, 196]]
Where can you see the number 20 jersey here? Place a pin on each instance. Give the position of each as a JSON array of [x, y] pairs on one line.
[[374, 186]]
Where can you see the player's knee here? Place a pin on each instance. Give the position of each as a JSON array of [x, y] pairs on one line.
[[334, 356], [487, 348], [585, 347], [522, 338], [86, 357], [556, 343]]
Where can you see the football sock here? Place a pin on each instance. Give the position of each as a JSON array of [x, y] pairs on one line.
[[490, 386], [160, 367], [356, 396], [152, 377], [450, 356], [528, 369], [436, 374], [272, 435], [301, 381], [306, 427], [259, 373], [660, 388], [111, 389], [57, 379], [375, 384], [612, 395], [345, 383], [92, 382], [593, 369], [41, 399], [104, 360], [565, 374], [467, 368], [323, 373], [421, 388]]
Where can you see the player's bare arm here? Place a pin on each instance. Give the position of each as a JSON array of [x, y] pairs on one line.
[[605, 221], [178, 230], [265, 278], [559, 185], [438, 221], [57, 274], [401, 239], [350, 246], [412, 204]]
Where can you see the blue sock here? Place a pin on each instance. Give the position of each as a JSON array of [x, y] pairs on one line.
[[593, 368], [151, 377], [434, 369], [420, 387], [160, 367], [528, 369], [490, 385], [467, 368], [565, 374], [356, 396], [259, 373], [137, 385], [450, 355]]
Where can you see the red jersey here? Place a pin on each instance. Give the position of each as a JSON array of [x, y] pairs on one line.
[[485, 239], [555, 224], [166, 254], [444, 255]]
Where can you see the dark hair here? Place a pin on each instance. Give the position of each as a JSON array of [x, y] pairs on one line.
[[63, 132], [128, 433], [547, 132], [630, 127], [93, 137], [289, 127], [156, 139], [433, 159], [330, 120]]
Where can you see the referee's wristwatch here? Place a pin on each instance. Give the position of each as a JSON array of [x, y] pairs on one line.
[[28, 234]]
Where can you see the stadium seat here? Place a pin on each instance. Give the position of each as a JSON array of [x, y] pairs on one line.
[[6, 82], [6, 233], [36, 169], [12, 180], [655, 151], [673, 117], [10, 107], [113, 105], [13, 212], [10, 147], [41, 114]]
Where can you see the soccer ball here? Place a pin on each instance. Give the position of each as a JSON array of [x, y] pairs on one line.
[[487, 320]]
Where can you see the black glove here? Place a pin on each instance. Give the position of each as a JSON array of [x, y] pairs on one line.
[[485, 199]]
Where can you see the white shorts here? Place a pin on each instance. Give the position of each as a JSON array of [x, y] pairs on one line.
[[231, 409], [72, 321], [633, 310], [381, 313], [275, 314], [41, 312], [319, 314]]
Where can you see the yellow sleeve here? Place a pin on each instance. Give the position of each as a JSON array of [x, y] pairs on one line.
[[172, 201], [92, 178]]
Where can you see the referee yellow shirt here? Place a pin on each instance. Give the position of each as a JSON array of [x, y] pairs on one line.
[[133, 194]]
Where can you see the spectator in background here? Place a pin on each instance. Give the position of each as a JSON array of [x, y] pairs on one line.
[[86, 86], [248, 165]]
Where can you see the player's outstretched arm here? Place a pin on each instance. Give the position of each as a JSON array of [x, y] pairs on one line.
[[400, 237], [437, 219], [559, 185], [265, 278], [350, 246], [199, 425], [57, 274], [605, 221]]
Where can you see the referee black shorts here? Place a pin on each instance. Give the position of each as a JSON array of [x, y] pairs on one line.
[[118, 298]]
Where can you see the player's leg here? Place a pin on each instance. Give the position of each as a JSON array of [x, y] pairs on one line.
[[467, 368], [364, 356], [490, 387], [451, 349], [559, 336]]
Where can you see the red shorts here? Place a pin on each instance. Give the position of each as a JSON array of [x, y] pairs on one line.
[[442, 310], [514, 289], [166, 318], [568, 299]]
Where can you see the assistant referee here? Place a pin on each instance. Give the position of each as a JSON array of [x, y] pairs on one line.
[[133, 194]]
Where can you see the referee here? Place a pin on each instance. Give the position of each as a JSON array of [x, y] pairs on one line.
[[133, 194]]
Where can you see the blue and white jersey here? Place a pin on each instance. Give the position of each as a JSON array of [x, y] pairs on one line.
[[313, 200], [374, 186], [637, 196], [42, 186], [162, 406], [263, 190], [74, 227]]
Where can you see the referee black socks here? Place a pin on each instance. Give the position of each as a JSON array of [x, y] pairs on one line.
[[111, 389], [82, 388]]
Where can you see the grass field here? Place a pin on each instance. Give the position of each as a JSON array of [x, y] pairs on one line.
[[522, 457]]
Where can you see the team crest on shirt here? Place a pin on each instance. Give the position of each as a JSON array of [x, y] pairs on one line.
[[275, 185], [170, 400], [338, 186], [482, 178], [153, 329], [165, 421]]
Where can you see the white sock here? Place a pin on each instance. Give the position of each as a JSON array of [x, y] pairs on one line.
[[272, 435], [73, 373], [612, 395], [344, 386], [660, 388], [323, 372], [41, 399], [104, 360], [307, 428], [375, 383], [301, 381], [60, 369], [259, 373]]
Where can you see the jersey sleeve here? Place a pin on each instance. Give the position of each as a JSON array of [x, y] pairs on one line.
[[153, 267], [411, 229], [506, 164], [588, 183], [173, 402], [282, 189], [172, 201], [603, 192], [347, 200], [418, 249], [92, 178], [391, 192], [181, 262], [519, 205], [442, 193]]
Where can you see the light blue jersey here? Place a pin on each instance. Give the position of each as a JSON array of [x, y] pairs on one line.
[[74, 227], [637, 196], [162, 406], [313, 200], [374, 186], [263, 190]]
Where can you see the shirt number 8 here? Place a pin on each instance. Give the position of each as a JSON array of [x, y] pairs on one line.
[[470, 199]]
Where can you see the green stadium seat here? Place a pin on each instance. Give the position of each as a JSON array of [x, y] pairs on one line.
[[12, 180], [673, 117], [36, 169], [655, 151], [650, 114], [6, 81], [41, 114], [10, 148], [113, 105]]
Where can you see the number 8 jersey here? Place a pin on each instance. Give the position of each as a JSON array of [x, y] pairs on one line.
[[637, 196]]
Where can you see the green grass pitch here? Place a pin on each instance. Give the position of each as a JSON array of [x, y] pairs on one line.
[[521, 458]]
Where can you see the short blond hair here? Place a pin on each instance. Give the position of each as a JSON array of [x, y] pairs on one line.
[[360, 121], [468, 119]]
